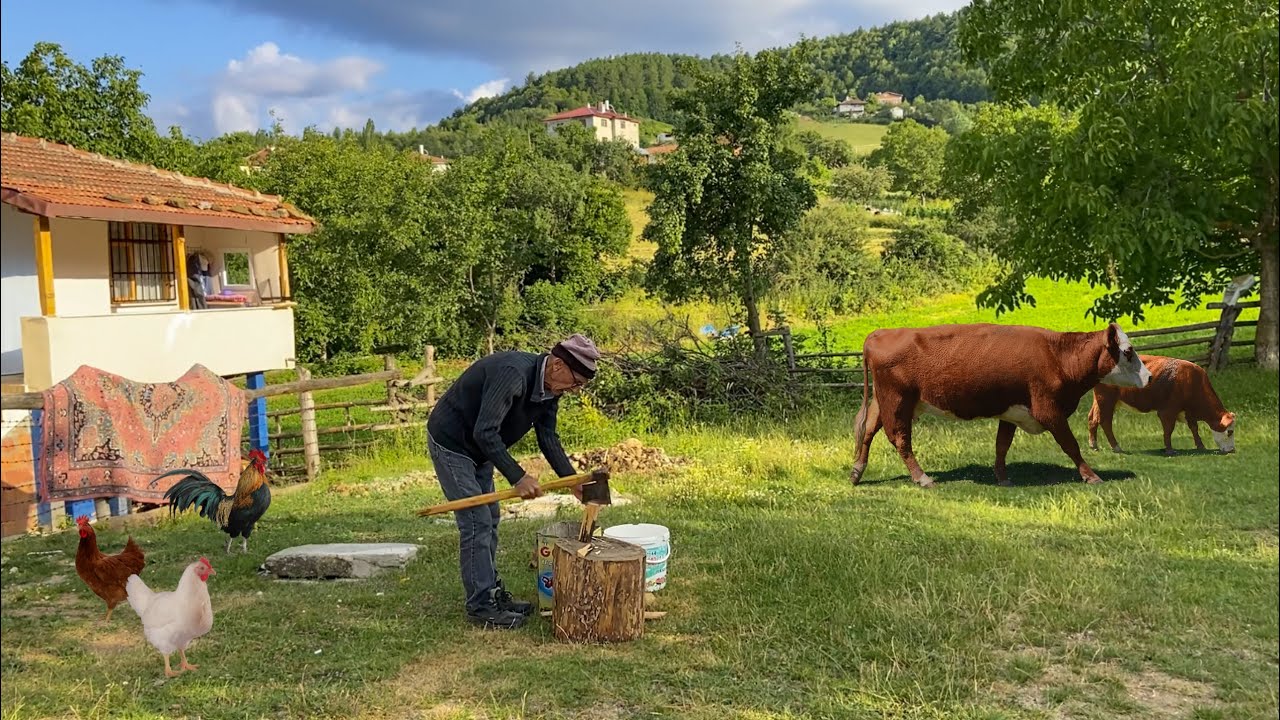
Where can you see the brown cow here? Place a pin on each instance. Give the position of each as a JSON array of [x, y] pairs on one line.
[[1028, 377], [1178, 390]]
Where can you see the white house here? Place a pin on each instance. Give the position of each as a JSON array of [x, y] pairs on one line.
[[851, 107], [97, 254], [601, 119]]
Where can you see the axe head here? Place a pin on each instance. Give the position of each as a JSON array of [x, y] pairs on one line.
[[596, 490]]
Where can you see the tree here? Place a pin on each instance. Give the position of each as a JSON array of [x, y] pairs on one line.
[[509, 221], [914, 156], [97, 108], [725, 200], [860, 183], [833, 152], [1148, 164], [372, 273]]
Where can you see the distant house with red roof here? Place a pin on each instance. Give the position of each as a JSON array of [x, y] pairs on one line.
[[655, 153], [607, 123], [889, 98]]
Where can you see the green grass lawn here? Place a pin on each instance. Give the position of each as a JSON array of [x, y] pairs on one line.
[[791, 594], [1059, 306], [637, 203], [864, 137]]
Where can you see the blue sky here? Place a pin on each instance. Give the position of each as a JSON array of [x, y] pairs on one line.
[[215, 66]]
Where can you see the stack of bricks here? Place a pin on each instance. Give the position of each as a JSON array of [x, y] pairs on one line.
[[19, 511]]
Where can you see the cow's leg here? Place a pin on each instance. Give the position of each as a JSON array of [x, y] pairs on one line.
[[897, 427], [1195, 432], [1106, 407], [1094, 421], [1169, 421], [1004, 438], [868, 422], [1061, 432]]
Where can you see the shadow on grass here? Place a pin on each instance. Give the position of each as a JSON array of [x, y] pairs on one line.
[[1022, 474], [1159, 452]]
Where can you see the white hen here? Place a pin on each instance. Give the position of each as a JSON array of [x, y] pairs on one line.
[[171, 620]]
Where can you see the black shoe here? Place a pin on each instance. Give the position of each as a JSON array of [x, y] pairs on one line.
[[492, 617], [507, 601]]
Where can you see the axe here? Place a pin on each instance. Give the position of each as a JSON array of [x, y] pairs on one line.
[[595, 485]]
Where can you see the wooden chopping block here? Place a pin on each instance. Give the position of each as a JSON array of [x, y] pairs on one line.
[[599, 596]]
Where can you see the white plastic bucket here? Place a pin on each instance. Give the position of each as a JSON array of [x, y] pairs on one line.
[[656, 541]]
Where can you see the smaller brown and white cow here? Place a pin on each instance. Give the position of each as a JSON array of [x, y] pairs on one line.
[[1028, 377], [1179, 390]]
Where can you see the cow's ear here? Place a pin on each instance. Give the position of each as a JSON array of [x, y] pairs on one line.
[[1113, 335]]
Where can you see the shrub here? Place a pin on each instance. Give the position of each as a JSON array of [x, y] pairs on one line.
[[926, 260]]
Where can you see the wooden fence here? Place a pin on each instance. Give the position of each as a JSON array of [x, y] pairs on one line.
[[847, 368], [296, 454]]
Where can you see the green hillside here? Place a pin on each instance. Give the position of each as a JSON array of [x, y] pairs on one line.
[[912, 57]]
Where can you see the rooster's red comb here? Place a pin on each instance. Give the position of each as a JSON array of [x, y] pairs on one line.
[[205, 560], [82, 519]]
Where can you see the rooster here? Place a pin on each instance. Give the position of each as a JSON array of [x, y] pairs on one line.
[[106, 575], [237, 514], [171, 620]]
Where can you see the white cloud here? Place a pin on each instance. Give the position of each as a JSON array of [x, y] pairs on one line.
[[302, 91], [484, 90], [267, 71]]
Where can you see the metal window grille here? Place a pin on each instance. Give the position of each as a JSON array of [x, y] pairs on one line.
[[141, 263]]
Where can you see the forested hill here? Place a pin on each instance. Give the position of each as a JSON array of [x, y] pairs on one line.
[[914, 57]]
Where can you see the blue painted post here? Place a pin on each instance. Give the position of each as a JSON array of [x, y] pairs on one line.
[[119, 506], [257, 414], [87, 507], [44, 510]]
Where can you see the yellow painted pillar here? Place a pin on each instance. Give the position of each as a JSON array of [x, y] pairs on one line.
[[44, 266], [283, 255], [180, 263]]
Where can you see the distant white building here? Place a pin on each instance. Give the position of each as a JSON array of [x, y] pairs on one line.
[[607, 123], [851, 106], [438, 163]]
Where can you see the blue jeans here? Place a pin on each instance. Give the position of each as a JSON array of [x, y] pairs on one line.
[[460, 477]]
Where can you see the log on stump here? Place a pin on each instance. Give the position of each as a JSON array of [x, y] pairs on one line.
[[599, 595]]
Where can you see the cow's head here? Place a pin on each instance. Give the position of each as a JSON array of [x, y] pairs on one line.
[[1226, 437], [1120, 364]]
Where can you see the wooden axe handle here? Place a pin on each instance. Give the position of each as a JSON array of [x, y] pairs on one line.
[[478, 500]]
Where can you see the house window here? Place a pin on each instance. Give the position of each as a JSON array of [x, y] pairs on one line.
[[236, 269], [141, 263]]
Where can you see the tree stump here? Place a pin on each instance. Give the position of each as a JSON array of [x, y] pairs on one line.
[[599, 595]]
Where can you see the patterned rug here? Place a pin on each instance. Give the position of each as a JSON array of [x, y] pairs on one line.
[[107, 436]]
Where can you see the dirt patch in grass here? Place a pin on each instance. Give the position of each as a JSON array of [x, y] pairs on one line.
[[628, 456], [1104, 689], [383, 486]]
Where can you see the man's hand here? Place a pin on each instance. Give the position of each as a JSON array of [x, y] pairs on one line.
[[528, 487]]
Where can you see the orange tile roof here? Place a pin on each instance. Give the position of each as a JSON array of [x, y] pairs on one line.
[[588, 111], [54, 180], [662, 149]]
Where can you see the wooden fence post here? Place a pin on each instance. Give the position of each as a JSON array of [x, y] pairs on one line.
[[791, 350], [1220, 348], [310, 439], [389, 364], [429, 364]]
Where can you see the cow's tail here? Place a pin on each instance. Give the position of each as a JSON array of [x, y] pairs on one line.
[[863, 413], [860, 421]]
